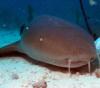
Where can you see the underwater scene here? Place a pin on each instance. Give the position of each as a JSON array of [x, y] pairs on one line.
[[49, 43]]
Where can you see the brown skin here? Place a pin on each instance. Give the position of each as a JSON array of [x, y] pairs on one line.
[[54, 41]]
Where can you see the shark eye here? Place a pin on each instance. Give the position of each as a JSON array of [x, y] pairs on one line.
[[41, 39]]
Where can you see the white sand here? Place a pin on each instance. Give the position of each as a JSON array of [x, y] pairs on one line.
[[16, 72]]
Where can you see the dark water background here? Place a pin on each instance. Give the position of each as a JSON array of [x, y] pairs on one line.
[[66, 9], [14, 13]]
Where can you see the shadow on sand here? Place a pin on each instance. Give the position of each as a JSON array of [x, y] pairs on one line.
[[81, 70]]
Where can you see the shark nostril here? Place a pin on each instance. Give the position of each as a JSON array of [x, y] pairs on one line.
[[73, 61], [92, 59], [67, 60]]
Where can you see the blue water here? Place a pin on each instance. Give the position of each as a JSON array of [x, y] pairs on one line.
[[66, 9], [14, 13]]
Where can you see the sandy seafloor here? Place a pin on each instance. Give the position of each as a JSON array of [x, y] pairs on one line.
[[18, 72]]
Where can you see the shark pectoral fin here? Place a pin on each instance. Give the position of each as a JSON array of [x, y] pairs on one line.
[[9, 48]]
